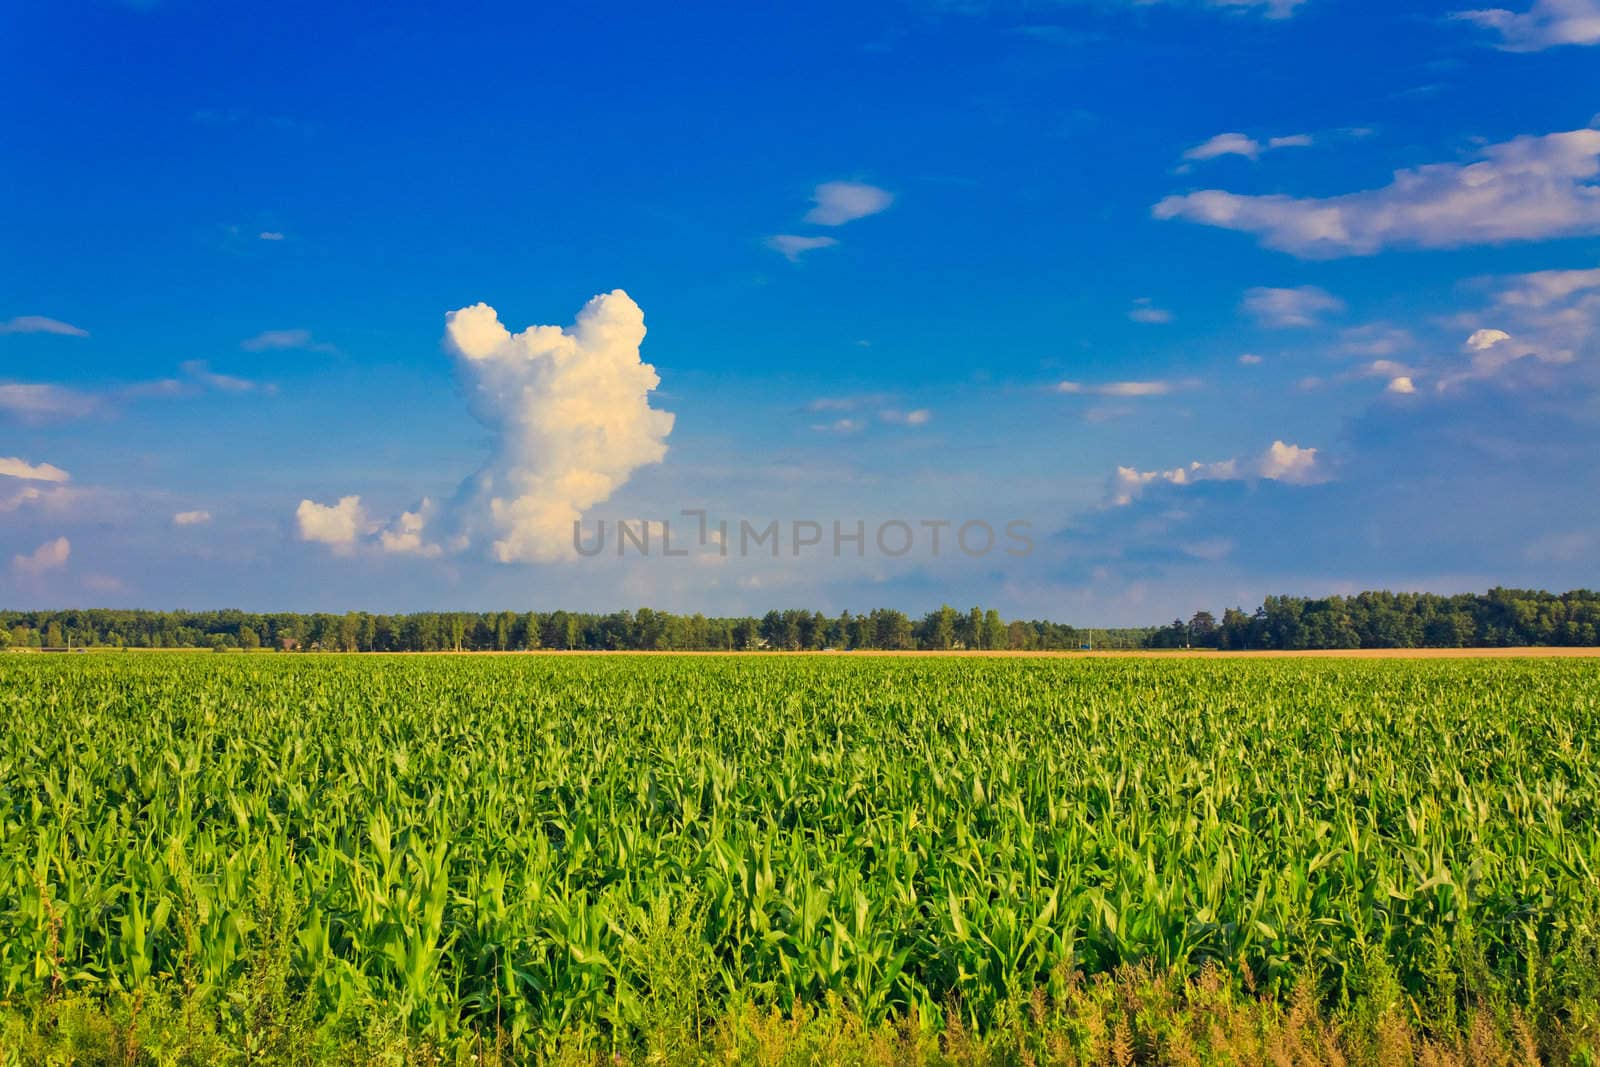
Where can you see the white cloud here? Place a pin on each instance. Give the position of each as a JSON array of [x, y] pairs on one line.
[[202, 374], [1543, 288], [1376, 339], [1250, 359], [916, 417], [849, 403], [1211, 549], [34, 402], [1528, 188], [12, 467], [197, 518], [1283, 308], [1050, 32], [1491, 352], [1156, 387], [1386, 368], [1540, 321], [1225, 144], [1288, 463], [340, 525], [1402, 385], [271, 340], [571, 415], [837, 426], [1280, 463], [840, 202], [404, 536], [1238, 144], [40, 324], [1546, 24], [270, 235], [1569, 547], [1483, 340], [53, 498], [28, 494], [1275, 9], [1144, 310], [52, 555], [793, 246]]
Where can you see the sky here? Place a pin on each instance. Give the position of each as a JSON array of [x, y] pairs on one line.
[[1103, 312]]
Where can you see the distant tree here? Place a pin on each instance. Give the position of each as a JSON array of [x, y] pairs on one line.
[[994, 630], [249, 640], [892, 630], [1203, 630], [502, 632], [938, 629]]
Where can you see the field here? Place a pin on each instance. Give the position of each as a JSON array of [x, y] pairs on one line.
[[798, 859]]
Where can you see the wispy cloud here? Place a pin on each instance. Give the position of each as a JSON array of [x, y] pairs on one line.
[[270, 235], [272, 340], [840, 202], [1283, 308], [793, 246], [1529, 188], [1280, 463], [32, 402], [1273, 9], [1378, 339], [1546, 24], [856, 412], [850, 402], [52, 555], [1536, 324], [191, 518], [1543, 288], [834, 204], [12, 467], [844, 425], [1239, 144], [1144, 310], [40, 402], [1532, 328], [202, 375], [40, 324], [1153, 387]]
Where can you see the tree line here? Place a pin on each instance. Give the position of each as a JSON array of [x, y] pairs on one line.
[[509, 631], [1500, 617]]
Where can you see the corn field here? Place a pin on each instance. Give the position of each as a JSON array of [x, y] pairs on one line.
[[534, 848]]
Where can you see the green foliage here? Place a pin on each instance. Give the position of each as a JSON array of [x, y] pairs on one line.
[[623, 855]]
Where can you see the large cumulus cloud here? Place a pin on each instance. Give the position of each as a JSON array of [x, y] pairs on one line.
[[571, 415], [570, 418]]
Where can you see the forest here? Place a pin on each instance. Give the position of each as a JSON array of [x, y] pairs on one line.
[[1498, 618]]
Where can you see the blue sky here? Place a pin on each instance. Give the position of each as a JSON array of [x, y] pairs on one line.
[[1221, 299]]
